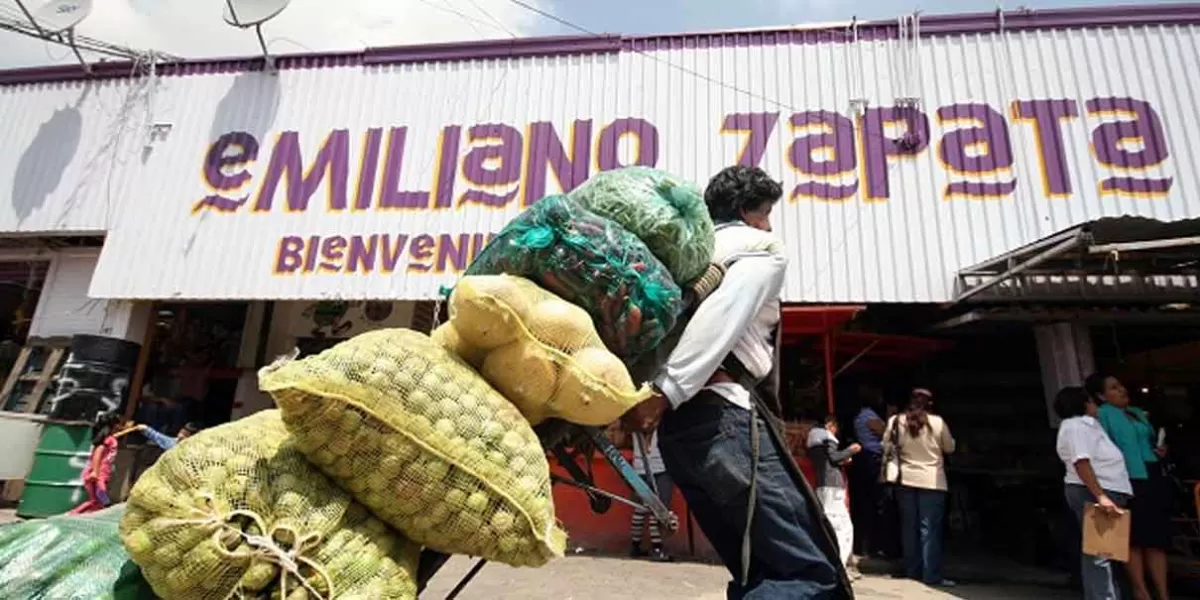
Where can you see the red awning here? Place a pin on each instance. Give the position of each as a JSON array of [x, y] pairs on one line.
[[816, 320]]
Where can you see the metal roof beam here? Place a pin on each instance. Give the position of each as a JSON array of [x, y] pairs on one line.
[[1074, 241], [1145, 245], [987, 267]]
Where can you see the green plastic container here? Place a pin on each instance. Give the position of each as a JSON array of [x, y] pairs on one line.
[[55, 483]]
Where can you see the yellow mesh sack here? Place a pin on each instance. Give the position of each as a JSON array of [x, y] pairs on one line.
[[424, 442], [540, 351], [237, 512]]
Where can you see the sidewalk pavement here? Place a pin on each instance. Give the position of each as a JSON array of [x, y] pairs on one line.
[[597, 578]]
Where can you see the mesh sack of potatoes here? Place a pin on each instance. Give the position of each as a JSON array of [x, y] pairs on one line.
[[238, 512], [539, 350], [594, 263], [423, 441], [69, 556], [666, 212]]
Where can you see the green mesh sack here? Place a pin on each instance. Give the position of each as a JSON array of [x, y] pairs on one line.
[[68, 557], [664, 211], [238, 512], [594, 263]]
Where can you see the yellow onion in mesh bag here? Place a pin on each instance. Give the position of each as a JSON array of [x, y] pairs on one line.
[[237, 512], [424, 442], [552, 363]]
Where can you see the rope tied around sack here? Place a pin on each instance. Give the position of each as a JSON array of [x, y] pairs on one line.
[[266, 548]]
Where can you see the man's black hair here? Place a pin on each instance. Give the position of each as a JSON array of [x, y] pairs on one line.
[[736, 189], [1071, 402]]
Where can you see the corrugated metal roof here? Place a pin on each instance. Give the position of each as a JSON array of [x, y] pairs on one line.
[[852, 246]]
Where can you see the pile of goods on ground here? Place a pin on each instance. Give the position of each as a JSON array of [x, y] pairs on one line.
[[394, 441], [237, 511]]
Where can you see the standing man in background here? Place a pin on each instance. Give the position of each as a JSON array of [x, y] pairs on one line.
[[866, 492]]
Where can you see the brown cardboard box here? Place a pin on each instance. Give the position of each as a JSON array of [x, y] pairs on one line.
[[1105, 535]]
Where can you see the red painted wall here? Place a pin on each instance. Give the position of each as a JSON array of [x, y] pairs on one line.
[[609, 532]]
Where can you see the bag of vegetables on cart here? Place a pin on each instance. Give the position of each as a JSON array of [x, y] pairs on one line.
[[69, 556], [538, 350], [591, 262], [424, 442], [237, 512], [664, 211]]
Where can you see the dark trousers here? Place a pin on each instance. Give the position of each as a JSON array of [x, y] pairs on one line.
[[706, 447], [923, 518], [866, 506]]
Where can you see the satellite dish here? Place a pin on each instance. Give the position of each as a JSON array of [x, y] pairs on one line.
[[250, 13], [58, 16]]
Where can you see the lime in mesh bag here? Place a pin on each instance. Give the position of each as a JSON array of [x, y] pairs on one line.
[[237, 512], [423, 441], [591, 262], [666, 212], [537, 349], [69, 556]]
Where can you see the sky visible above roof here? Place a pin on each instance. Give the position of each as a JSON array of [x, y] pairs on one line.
[[194, 28]]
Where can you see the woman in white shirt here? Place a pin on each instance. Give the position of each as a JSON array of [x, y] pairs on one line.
[[1095, 475]]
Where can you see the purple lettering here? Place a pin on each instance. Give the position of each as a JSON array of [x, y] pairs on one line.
[[421, 249], [758, 128], [362, 254], [232, 150], [390, 197], [1140, 126], [828, 153], [287, 165], [367, 169], [878, 148], [310, 253], [333, 253], [288, 258], [447, 171], [609, 147], [392, 251], [1047, 116], [983, 149], [497, 164], [546, 150], [452, 254]]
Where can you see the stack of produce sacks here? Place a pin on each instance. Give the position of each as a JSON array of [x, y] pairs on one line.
[[577, 287], [237, 511], [423, 441]]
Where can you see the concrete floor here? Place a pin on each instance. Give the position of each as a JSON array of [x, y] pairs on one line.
[[596, 578]]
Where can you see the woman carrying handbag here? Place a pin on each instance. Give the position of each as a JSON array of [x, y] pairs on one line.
[[914, 465]]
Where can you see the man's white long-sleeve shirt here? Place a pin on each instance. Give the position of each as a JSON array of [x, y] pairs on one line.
[[741, 317]]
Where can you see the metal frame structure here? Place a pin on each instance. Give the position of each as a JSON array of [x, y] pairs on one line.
[[1116, 259]]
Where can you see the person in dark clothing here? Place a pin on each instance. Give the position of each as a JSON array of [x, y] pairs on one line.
[[724, 456], [867, 498]]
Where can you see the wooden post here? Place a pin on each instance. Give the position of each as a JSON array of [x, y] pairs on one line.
[[139, 372], [827, 342]]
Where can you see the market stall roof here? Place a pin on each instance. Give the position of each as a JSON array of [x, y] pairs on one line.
[[1113, 259], [815, 320]]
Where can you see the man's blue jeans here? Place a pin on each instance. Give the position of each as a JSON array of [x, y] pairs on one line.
[[706, 447], [1099, 580], [922, 522]]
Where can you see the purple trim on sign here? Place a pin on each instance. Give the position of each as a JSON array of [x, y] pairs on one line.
[[931, 26]]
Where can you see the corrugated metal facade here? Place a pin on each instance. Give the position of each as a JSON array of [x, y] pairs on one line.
[[1015, 135]]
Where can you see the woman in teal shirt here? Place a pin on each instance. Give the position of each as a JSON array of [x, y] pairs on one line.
[[1130, 429]]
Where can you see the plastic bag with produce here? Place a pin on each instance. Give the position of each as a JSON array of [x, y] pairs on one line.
[[76, 556], [539, 350], [237, 511], [424, 442], [666, 212], [591, 262]]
